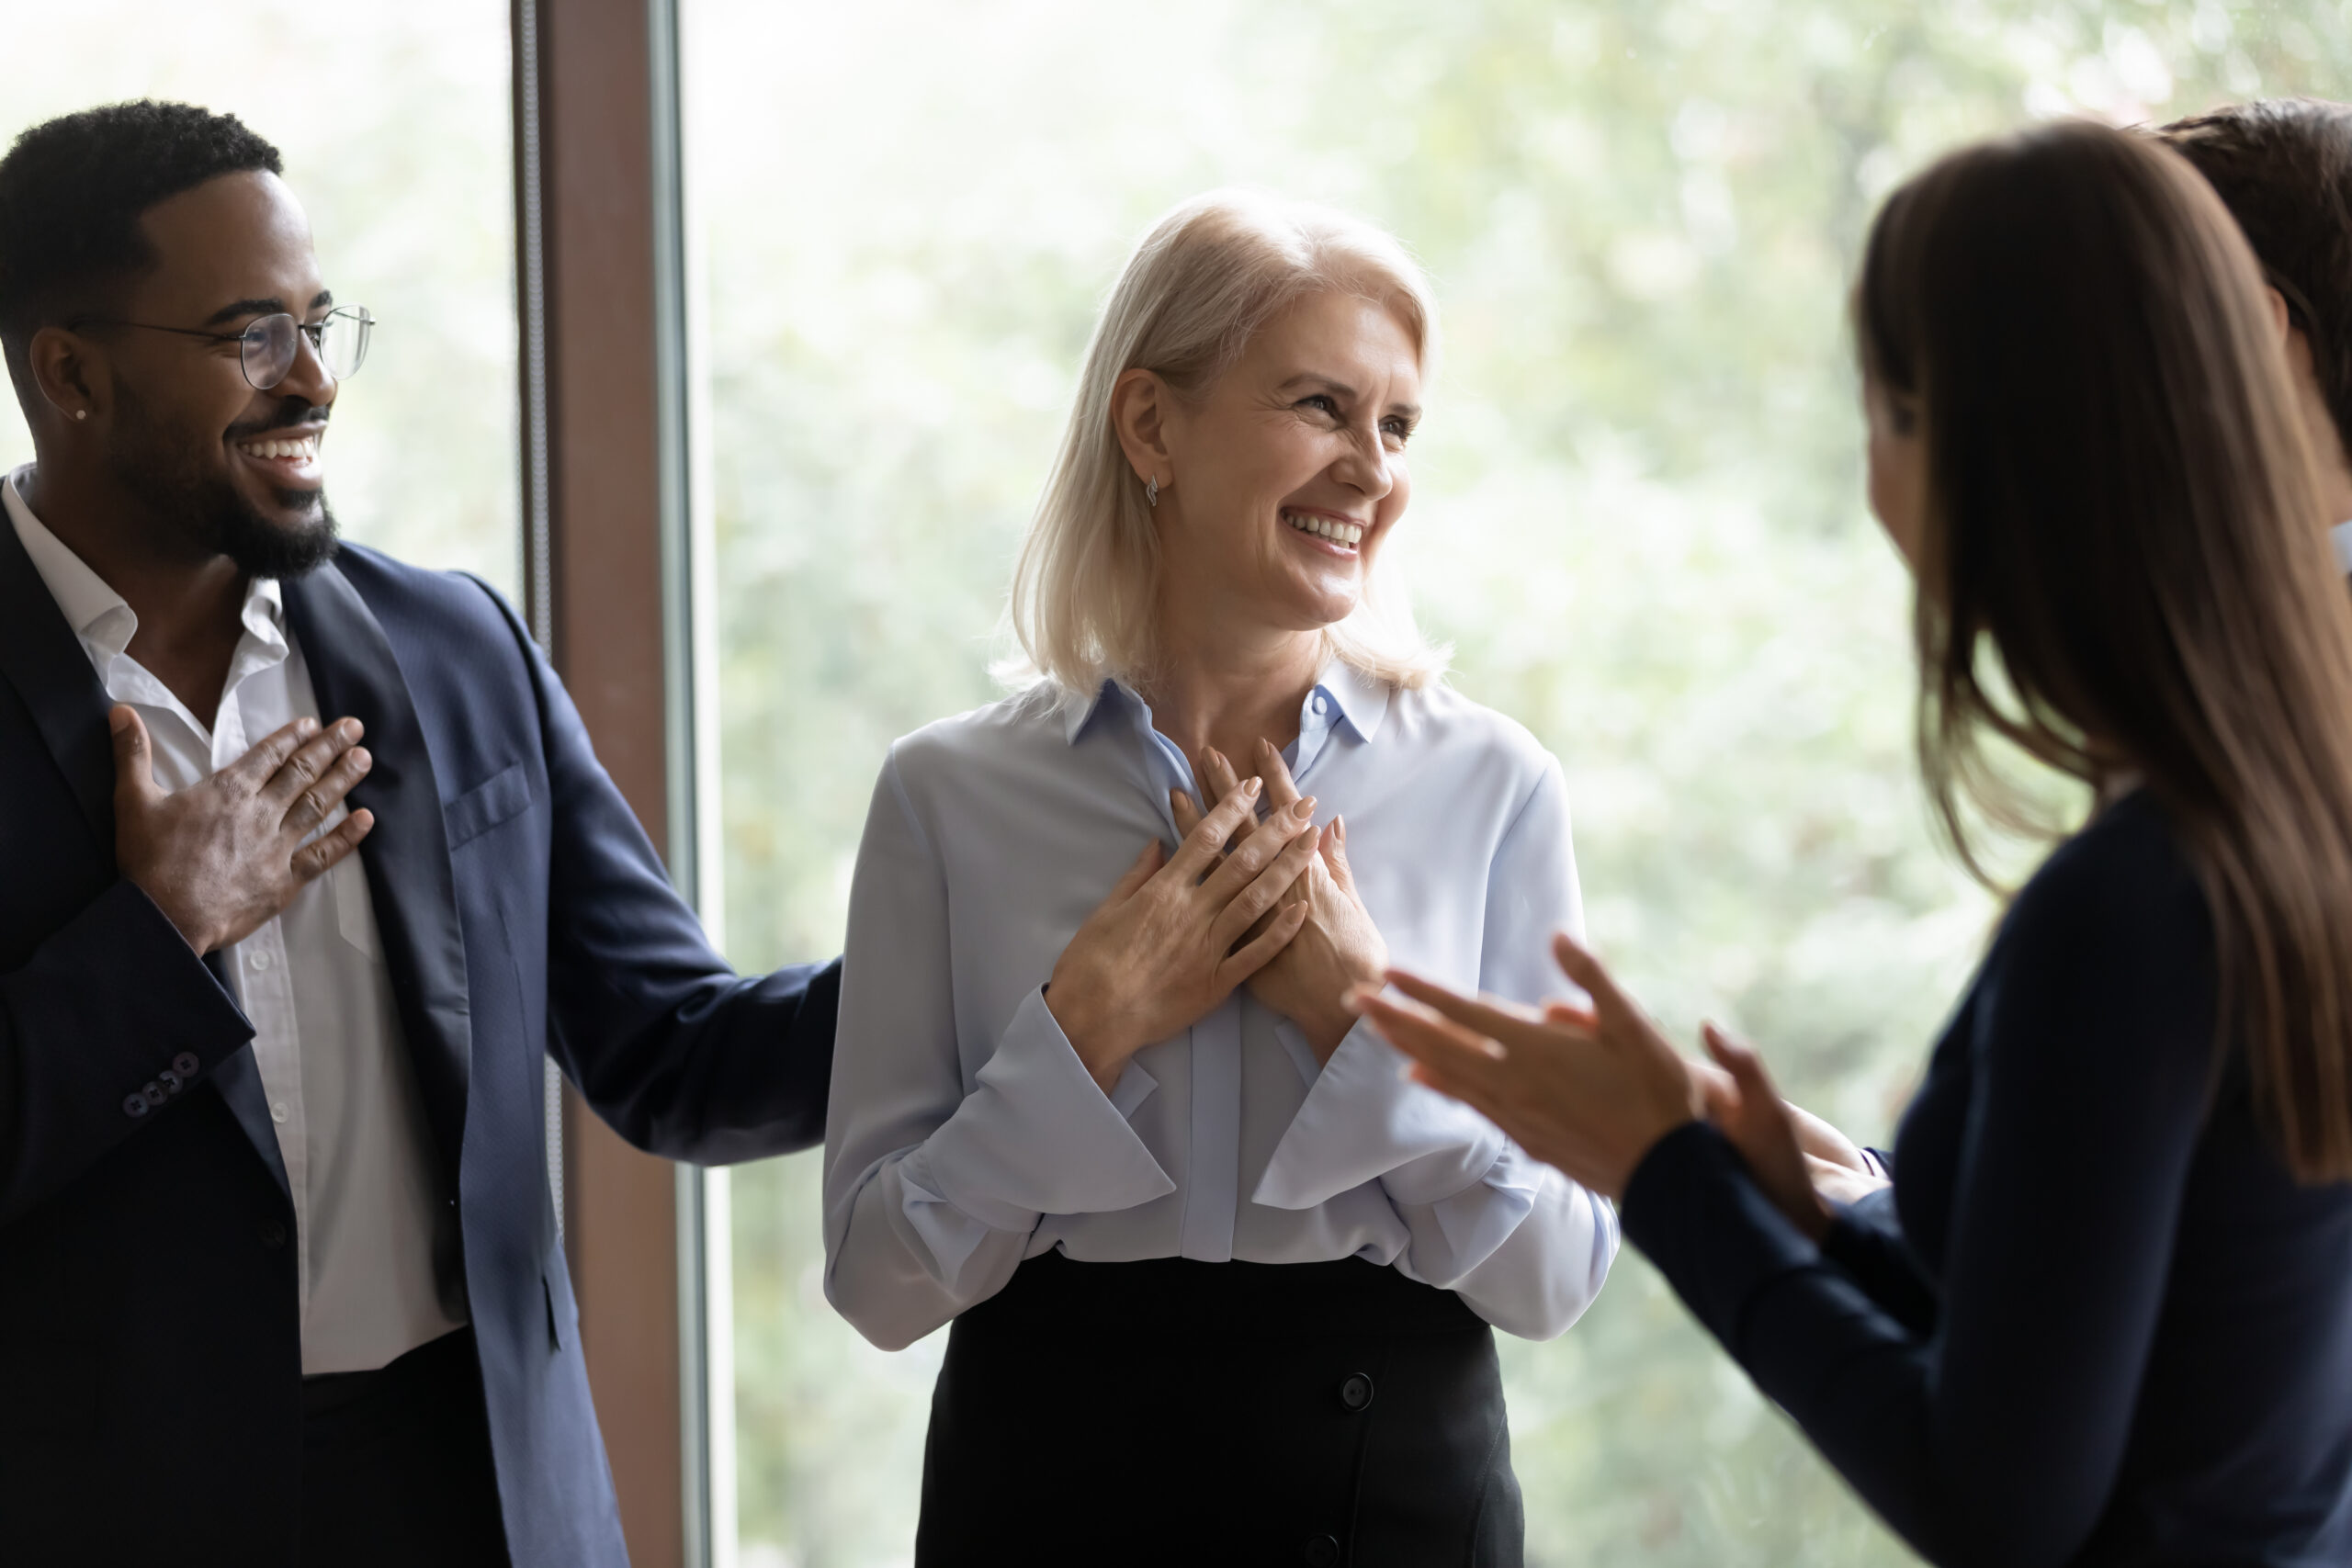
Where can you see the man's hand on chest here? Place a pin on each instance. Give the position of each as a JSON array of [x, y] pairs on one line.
[[226, 854]]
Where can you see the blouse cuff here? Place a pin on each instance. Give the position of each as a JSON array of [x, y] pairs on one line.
[[1038, 1135], [1363, 1122], [949, 1235], [1475, 1223]]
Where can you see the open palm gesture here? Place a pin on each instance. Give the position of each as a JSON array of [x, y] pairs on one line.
[[1591, 1087], [1587, 1087]]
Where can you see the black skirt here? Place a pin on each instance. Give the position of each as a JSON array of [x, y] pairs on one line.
[[1171, 1410]]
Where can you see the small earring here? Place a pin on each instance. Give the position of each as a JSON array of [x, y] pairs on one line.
[[81, 414], [1151, 490]]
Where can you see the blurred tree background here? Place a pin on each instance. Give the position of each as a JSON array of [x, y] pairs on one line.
[[1638, 516]]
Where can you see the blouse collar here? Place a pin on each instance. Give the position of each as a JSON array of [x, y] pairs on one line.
[[1342, 694]]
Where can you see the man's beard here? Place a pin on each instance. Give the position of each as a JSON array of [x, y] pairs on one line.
[[174, 484]]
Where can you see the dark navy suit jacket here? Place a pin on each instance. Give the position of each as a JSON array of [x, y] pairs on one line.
[[150, 1356], [2096, 1321]]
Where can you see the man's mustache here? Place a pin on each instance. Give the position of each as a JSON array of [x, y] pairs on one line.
[[291, 411]]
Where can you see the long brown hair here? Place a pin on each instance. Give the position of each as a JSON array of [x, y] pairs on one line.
[[2124, 569]]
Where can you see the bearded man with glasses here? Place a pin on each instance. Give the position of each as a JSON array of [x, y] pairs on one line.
[[280, 1276]]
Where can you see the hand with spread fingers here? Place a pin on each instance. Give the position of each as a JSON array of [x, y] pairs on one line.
[[1337, 946], [1175, 936], [230, 852], [1746, 1109], [1587, 1089], [1591, 1088], [1833, 1162]]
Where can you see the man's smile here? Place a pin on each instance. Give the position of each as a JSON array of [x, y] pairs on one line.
[[287, 456]]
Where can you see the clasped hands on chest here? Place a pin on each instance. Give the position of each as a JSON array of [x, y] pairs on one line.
[[1268, 903]]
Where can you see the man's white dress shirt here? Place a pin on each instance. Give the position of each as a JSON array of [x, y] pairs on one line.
[[326, 1034], [963, 1134]]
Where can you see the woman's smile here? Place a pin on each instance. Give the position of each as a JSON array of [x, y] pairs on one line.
[[1328, 532]]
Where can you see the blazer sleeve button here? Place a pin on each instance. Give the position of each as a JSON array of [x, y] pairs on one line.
[[170, 1081], [1356, 1393], [134, 1105], [273, 1234], [154, 1094], [1322, 1552], [186, 1064]]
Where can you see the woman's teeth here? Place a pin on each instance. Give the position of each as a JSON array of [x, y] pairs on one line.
[[304, 449], [1348, 533]]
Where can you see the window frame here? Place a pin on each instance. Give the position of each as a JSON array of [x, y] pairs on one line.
[[617, 559]]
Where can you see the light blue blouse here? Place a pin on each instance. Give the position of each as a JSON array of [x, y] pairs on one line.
[[963, 1134]]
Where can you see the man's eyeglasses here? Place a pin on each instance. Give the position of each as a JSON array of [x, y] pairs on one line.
[[267, 347]]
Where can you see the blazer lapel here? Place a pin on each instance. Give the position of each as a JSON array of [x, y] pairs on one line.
[[410, 882], [44, 661]]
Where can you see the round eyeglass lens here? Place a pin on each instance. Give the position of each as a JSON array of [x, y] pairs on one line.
[[269, 350], [343, 340]]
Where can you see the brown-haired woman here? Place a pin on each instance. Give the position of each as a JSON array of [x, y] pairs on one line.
[[2116, 1324]]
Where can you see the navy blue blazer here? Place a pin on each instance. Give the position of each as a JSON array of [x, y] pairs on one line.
[[150, 1356], [2103, 1324]]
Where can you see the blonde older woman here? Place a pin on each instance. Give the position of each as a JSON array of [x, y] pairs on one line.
[[1222, 1281]]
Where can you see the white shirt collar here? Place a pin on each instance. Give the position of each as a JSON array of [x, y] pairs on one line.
[[2341, 537], [99, 616], [1362, 701]]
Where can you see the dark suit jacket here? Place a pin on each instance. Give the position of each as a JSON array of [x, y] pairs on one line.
[[150, 1357]]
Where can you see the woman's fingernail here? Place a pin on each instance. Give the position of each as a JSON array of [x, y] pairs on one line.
[[1303, 807], [1249, 786]]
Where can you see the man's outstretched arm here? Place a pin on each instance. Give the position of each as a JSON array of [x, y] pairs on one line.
[[676, 1053]]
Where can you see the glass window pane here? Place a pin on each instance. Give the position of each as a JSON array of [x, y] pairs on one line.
[[394, 120], [1638, 514]]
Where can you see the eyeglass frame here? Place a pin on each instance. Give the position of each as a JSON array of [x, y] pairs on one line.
[[314, 331]]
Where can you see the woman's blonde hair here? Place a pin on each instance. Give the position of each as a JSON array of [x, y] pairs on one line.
[[1200, 286]]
